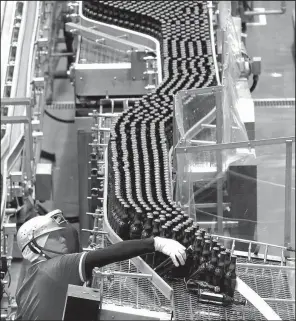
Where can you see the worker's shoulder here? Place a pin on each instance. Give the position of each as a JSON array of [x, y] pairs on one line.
[[65, 260], [71, 258]]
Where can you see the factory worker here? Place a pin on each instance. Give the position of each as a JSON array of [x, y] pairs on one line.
[[51, 245]]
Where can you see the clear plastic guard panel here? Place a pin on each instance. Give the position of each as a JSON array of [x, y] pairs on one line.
[[258, 204], [231, 49], [196, 124], [93, 52], [192, 109]]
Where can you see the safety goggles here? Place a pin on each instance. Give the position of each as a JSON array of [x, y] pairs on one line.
[[58, 218]]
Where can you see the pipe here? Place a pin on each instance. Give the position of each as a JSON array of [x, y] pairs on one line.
[[288, 193], [210, 7], [246, 144], [248, 241], [134, 275], [62, 54], [196, 128], [265, 266]]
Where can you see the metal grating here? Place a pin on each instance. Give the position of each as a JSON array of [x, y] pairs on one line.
[[141, 294], [61, 105], [269, 284], [275, 103], [133, 292]]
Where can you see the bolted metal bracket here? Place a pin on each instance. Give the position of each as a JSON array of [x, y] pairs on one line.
[[9, 229]]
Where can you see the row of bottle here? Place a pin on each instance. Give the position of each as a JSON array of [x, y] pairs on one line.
[[140, 13], [213, 264], [207, 260], [154, 188], [126, 202], [148, 21], [121, 18], [146, 165]]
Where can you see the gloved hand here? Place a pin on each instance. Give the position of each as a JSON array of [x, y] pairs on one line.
[[171, 248]]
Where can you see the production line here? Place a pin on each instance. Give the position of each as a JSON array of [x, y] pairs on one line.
[[159, 100]]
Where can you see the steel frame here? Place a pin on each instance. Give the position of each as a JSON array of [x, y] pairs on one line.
[[22, 120], [135, 37], [30, 139], [103, 230], [98, 36]]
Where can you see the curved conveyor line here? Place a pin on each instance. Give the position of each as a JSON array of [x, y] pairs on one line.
[[175, 49], [15, 143]]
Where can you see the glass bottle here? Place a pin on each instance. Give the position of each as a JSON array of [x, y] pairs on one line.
[[136, 227], [219, 271]]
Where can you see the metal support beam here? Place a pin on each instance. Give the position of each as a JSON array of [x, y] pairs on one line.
[[210, 205], [107, 115], [83, 140], [226, 224], [248, 241], [219, 159], [245, 144], [208, 142], [15, 101], [265, 266], [14, 120], [288, 194], [27, 102], [62, 54]]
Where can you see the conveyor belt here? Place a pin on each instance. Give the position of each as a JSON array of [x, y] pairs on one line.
[[183, 31], [13, 142], [139, 180]]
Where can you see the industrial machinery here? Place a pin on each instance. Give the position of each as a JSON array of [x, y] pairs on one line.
[[166, 135]]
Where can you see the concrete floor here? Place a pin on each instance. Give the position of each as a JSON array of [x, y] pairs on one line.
[[273, 43]]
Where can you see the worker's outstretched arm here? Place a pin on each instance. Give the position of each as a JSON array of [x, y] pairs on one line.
[[128, 249]]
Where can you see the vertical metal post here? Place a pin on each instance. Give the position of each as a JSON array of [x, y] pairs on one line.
[[191, 202], [34, 91], [224, 51], [83, 140], [29, 143], [234, 8], [288, 194], [219, 158]]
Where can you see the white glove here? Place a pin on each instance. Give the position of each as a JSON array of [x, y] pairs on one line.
[[171, 248]]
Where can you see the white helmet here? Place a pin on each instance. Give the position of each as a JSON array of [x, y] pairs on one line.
[[38, 229]]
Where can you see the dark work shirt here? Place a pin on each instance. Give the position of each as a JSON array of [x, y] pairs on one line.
[[42, 295], [43, 292]]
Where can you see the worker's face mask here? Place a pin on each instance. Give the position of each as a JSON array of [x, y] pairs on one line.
[[64, 241], [56, 242], [71, 237]]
